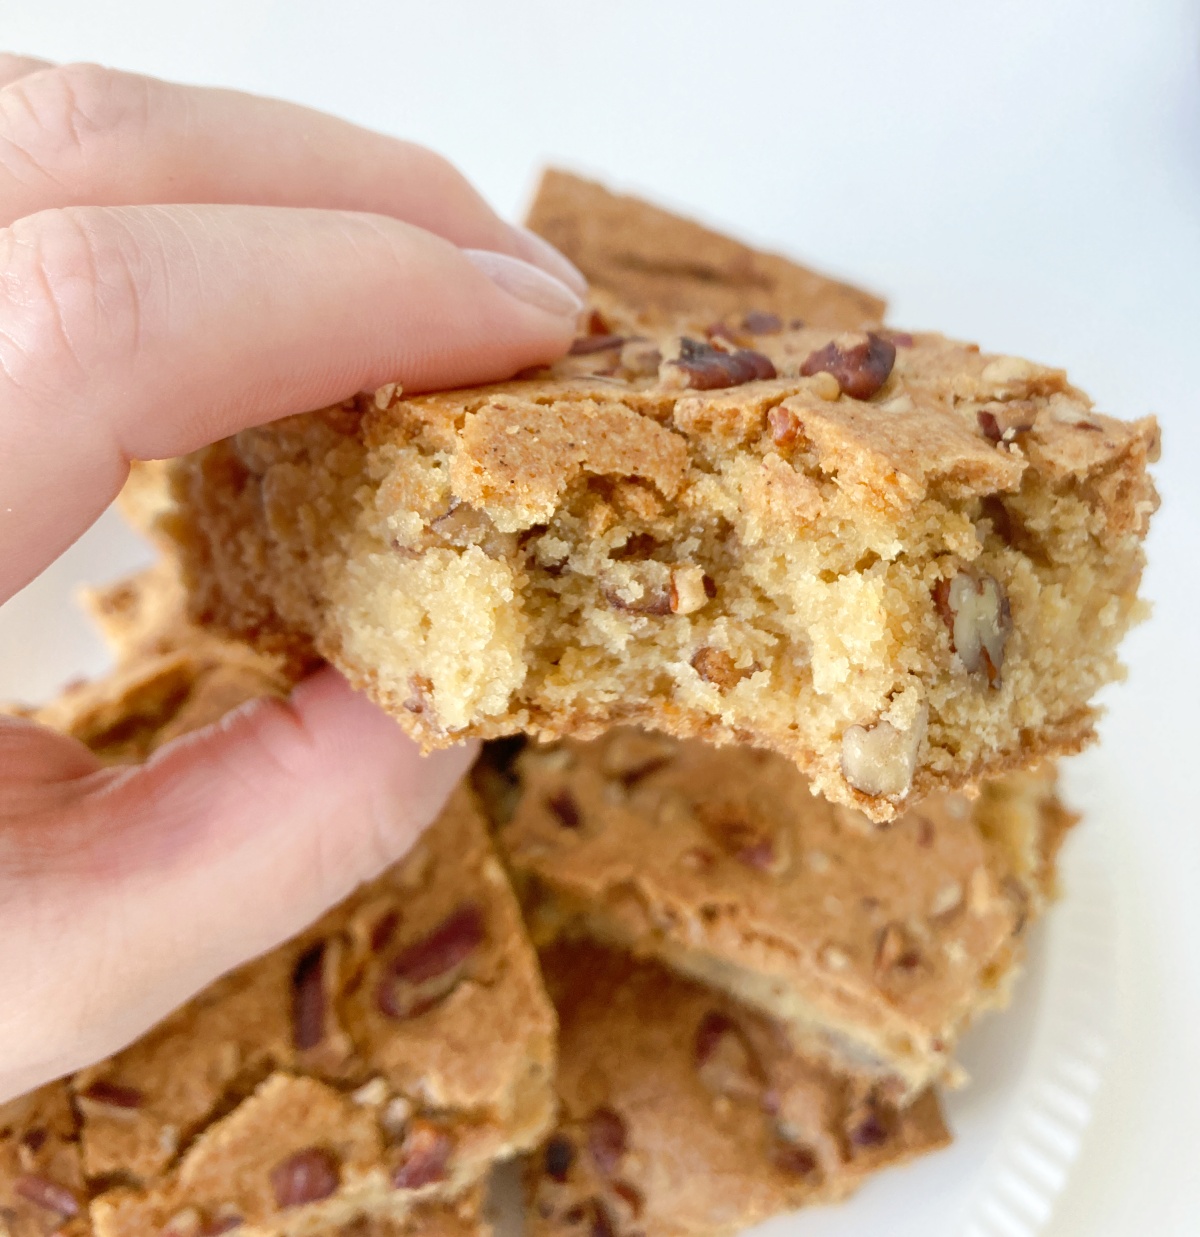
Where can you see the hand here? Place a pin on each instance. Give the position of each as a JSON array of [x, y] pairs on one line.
[[177, 264]]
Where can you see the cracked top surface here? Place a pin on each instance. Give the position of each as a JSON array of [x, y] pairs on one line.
[[684, 1113], [664, 264]]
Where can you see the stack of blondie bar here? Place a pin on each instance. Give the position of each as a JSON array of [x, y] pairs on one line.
[[776, 618]]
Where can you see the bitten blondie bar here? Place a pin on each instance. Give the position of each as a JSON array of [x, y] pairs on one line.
[[365, 1076], [901, 563], [686, 1115], [877, 947]]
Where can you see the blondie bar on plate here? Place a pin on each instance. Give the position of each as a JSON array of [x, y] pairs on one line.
[[877, 947], [377, 1064], [685, 1115]]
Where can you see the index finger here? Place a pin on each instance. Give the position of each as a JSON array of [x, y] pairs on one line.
[[144, 332]]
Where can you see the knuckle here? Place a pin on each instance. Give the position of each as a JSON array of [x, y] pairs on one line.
[[70, 298], [51, 118]]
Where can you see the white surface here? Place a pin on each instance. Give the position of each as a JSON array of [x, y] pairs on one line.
[[1024, 172]]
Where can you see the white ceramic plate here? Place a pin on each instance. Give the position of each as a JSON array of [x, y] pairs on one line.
[[1035, 1068]]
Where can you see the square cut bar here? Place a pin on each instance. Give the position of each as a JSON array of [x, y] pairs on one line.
[[366, 1075], [686, 1115], [667, 267], [877, 947], [901, 563]]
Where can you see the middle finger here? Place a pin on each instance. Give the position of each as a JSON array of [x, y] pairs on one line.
[[83, 135]]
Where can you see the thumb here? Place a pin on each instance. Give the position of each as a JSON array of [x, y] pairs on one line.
[[124, 891]]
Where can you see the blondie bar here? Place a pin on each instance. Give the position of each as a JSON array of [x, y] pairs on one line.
[[877, 947], [686, 1115], [670, 268], [901, 563], [370, 1070]]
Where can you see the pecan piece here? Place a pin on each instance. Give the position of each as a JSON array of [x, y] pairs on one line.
[[861, 364], [424, 1156], [558, 1158], [867, 1126], [977, 612], [757, 322], [565, 809], [424, 973], [795, 1160], [47, 1194], [112, 1095], [717, 667], [305, 1177], [586, 344], [308, 998], [702, 367], [725, 1062], [879, 759], [607, 1139], [895, 950]]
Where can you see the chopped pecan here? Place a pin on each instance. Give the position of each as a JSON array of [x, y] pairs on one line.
[[305, 1177], [785, 426], [607, 1139], [425, 972], [705, 368], [424, 1157], [795, 1160], [586, 344], [977, 612], [725, 1062], [558, 1158], [717, 667], [879, 759], [47, 1194], [758, 322], [867, 1126], [565, 809], [895, 950], [308, 998], [861, 364], [1001, 422], [112, 1094]]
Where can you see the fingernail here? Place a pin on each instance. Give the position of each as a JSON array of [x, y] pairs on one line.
[[527, 283], [533, 248]]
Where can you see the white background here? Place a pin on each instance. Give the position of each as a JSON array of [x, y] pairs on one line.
[[1021, 172]]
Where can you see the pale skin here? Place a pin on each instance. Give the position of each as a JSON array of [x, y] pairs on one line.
[[177, 264]]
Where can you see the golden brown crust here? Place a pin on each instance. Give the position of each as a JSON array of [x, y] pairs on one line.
[[563, 554], [685, 1114], [879, 945], [666, 265]]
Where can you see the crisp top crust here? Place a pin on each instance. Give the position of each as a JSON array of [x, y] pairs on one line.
[[946, 421], [666, 265], [406, 1036], [725, 858], [683, 1113]]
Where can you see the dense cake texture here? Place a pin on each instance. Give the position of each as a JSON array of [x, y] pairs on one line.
[[685, 1115], [377, 1064], [901, 563], [878, 948], [668, 267]]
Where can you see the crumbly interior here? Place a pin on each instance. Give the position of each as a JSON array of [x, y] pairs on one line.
[[902, 591], [363, 1077], [878, 947], [684, 1114]]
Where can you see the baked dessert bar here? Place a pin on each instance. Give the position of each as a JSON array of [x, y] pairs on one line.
[[877, 947], [685, 1115], [669, 268], [381, 1061], [901, 563]]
